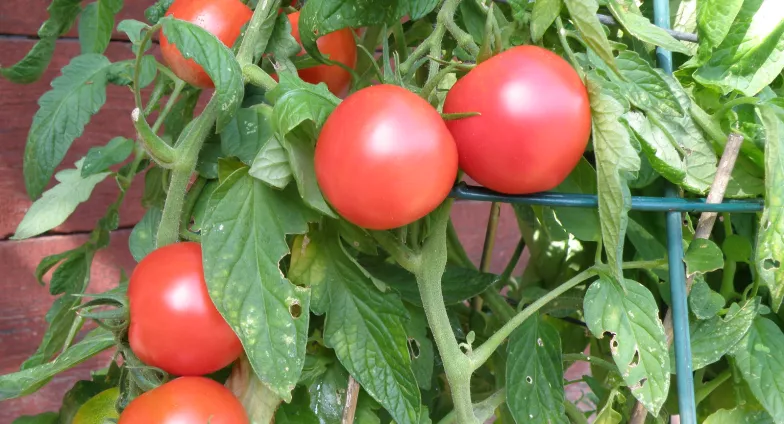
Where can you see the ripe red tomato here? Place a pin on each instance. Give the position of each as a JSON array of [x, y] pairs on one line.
[[340, 47], [174, 324], [534, 125], [185, 400], [223, 18], [385, 158]]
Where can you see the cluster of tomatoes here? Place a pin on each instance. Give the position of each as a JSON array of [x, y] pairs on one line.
[[384, 158]]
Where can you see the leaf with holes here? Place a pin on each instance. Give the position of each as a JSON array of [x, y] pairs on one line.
[[758, 357], [703, 256], [363, 326], [218, 61], [534, 373], [616, 161], [244, 238], [713, 338], [628, 311], [770, 238], [420, 347]]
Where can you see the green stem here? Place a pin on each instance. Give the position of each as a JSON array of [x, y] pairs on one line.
[[406, 257], [567, 48], [658, 263], [137, 68], [256, 76], [155, 97], [490, 232], [265, 9], [457, 365], [574, 413], [498, 305], [178, 86], [483, 352], [190, 201], [483, 409], [707, 388], [400, 41], [719, 139], [579, 357], [735, 102], [158, 150], [728, 279], [510, 267]]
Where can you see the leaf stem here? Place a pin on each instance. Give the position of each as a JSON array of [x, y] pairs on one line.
[[178, 86], [481, 354], [158, 150], [251, 41], [595, 360], [573, 412], [510, 267], [726, 107], [707, 388], [406, 257], [480, 408], [658, 263], [568, 48], [256, 76], [137, 67]]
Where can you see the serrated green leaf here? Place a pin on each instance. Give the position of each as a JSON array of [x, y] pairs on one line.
[[417, 9], [271, 164], [315, 367], [534, 373], [282, 45], [737, 248], [363, 325], [76, 95], [247, 132], [752, 53], [714, 19], [357, 238], [738, 415], [297, 101], [60, 318], [298, 410], [244, 238], [713, 338], [758, 357], [703, 256], [640, 27], [770, 237], [142, 240], [583, 13], [616, 161], [121, 73], [657, 146], [133, 29], [458, 283], [301, 160], [70, 276], [543, 16], [99, 159], [629, 313], [27, 381], [33, 65], [583, 223], [218, 61], [45, 418], [704, 302], [96, 24], [645, 87], [58, 203], [420, 347]]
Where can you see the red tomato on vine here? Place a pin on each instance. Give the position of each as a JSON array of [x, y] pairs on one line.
[[534, 125], [339, 46], [174, 324], [222, 18], [384, 158], [185, 400]]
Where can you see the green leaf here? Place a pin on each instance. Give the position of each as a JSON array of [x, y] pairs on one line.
[[752, 53], [713, 338], [737, 248], [357, 238], [640, 27], [363, 326], [646, 88], [25, 382], [45, 418], [60, 318], [543, 16], [181, 113], [420, 347], [282, 45], [33, 65], [703, 256], [583, 13], [657, 146], [297, 101], [99, 159], [142, 240], [96, 24], [217, 60], [315, 367], [417, 9], [616, 161], [247, 132], [328, 395], [629, 313], [70, 276], [121, 73], [301, 155], [298, 410], [320, 18], [76, 95], [244, 239], [758, 357], [133, 29], [704, 302], [714, 21], [58, 203], [271, 164], [738, 415], [770, 237], [458, 283], [583, 223], [534, 373]]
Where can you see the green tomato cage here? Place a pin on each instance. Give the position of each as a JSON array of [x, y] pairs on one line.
[[671, 204]]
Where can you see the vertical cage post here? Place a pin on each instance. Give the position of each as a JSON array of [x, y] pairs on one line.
[[680, 311]]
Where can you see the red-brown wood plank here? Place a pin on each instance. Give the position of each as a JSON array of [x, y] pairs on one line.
[[18, 104], [24, 303], [24, 17]]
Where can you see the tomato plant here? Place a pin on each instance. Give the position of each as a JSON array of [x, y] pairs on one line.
[[384, 158], [173, 324], [98, 408], [299, 248], [534, 122], [186, 399]]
